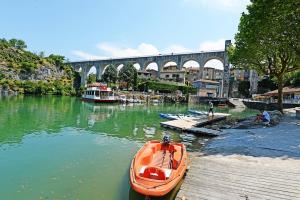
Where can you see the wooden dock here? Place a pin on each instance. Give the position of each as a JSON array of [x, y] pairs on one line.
[[191, 125], [237, 177]]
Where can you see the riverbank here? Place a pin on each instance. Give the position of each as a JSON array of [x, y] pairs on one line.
[[257, 163]]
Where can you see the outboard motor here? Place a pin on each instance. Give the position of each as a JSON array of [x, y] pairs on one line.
[[166, 139]]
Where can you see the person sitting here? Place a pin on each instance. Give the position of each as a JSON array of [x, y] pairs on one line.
[[263, 117]]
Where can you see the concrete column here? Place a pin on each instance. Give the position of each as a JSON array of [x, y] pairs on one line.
[[99, 71], [201, 69], [83, 75], [226, 74], [160, 66]]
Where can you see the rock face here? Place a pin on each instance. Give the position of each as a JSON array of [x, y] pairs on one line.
[[12, 78], [41, 73], [298, 113], [250, 122]]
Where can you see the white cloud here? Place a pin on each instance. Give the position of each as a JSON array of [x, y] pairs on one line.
[[214, 63], [229, 5], [175, 48], [86, 56], [115, 51], [212, 45], [108, 50]]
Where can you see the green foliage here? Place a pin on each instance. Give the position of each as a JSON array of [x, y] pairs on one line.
[[243, 88], [110, 74], [2, 76], [91, 78], [166, 88], [56, 87], [17, 60], [293, 79], [56, 60], [128, 74], [266, 85], [28, 67], [268, 39]]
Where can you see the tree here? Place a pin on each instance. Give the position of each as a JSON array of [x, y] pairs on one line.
[[268, 40], [243, 88], [91, 78], [128, 74], [110, 74], [56, 60], [19, 44]]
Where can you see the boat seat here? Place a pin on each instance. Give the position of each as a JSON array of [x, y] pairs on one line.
[[167, 172], [142, 170], [154, 173]]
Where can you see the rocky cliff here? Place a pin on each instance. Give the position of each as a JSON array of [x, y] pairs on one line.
[[22, 71]]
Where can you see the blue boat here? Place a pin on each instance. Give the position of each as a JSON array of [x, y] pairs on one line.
[[197, 112], [169, 116]]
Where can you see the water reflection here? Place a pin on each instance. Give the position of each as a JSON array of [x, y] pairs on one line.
[[62, 144], [20, 116]]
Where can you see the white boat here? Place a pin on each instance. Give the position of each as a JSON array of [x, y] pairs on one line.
[[122, 98], [99, 93]]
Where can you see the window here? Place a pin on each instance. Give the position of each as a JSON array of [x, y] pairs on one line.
[[97, 93], [167, 76]]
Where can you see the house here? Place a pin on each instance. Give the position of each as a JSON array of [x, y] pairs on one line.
[[290, 95], [207, 88], [171, 73]]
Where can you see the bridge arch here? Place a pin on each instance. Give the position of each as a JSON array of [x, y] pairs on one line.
[[191, 63], [214, 58], [104, 68], [137, 66], [119, 66], [151, 65], [168, 64], [92, 70]]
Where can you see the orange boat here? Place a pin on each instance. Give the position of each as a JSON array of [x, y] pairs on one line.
[[158, 167]]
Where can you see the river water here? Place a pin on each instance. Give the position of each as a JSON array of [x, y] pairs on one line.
[[62, 148]]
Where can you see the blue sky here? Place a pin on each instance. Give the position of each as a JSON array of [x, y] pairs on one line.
[[92, 29]]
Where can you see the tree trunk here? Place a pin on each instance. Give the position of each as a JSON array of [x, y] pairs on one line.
[[280, 95]]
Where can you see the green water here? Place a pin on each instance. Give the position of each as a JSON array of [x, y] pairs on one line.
[[62, 148]]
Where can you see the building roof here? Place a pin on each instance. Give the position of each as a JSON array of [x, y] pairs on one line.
[[207, 81], [172, 71], [285, 90]]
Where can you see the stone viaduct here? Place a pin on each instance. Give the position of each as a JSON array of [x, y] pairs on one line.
[[180, 59]]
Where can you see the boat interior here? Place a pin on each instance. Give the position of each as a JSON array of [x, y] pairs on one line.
[[157, 161]]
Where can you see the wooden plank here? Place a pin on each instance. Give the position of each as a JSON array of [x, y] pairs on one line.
[[192, 124], [204, 131], [241, 177]]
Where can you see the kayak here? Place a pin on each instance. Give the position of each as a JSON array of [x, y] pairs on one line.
[[157, 168], [169, 116], [197, 112]]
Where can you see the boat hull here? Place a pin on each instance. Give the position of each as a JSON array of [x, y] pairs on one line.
[[150, 186], [100, 100]]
